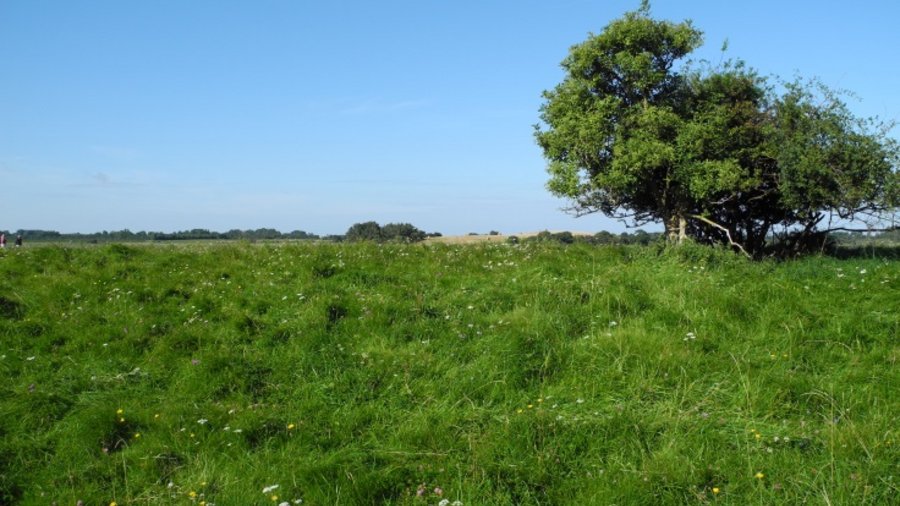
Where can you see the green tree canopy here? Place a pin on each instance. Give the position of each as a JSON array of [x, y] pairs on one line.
[[366, 231], [372, 231], [716, 154]]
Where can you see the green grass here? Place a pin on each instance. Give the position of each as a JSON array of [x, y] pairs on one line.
[[363, 374]]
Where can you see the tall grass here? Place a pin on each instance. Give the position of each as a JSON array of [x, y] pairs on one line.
[[495, 374]]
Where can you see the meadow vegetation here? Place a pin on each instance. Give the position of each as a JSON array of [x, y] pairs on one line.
[[493, 374]]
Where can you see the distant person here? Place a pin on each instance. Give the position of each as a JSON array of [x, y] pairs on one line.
[[2, 240], [19, 241]]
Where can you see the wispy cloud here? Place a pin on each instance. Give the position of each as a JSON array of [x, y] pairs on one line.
[[105, 179], [101, 178]]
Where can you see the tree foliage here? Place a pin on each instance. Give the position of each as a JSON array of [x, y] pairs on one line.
[[717, 154], [396, 232], [366, 231], [129, 236]]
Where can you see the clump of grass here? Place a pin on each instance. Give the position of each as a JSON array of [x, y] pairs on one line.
[[404, 374]]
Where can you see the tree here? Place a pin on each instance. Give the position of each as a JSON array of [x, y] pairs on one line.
[[367, 231], [372, 231], [715, 154], [402, 232]]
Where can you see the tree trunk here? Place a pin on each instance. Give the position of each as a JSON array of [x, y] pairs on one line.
[[676, 228]]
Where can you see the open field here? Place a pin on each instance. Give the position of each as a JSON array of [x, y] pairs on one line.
[[409, 374]]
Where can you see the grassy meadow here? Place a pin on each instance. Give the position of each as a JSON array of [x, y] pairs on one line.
[[321, 374]]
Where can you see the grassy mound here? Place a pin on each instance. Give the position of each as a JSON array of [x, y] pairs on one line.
[[491, 374]]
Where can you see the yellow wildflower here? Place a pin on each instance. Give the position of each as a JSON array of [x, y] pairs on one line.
[[759, 475], [716, 490], [274, 498], [291, 426], [120, 411]]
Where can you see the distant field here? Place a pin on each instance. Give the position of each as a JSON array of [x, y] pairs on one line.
[[485, 374]]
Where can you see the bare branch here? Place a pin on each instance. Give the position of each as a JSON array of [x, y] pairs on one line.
[[727, 232]]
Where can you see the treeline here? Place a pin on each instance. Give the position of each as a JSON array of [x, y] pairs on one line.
[[129, 236], [396, 232], [835, 239], [865, 238], [600, 238], [392, 232]]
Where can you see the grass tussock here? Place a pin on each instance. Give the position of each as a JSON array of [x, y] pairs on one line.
[[414, 375]]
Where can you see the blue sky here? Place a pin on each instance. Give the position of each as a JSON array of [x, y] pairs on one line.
[[171, 115]]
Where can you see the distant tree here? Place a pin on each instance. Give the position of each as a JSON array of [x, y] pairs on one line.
[[266, 233], [367, 231], [604, 237], [564, 237], [716, 155], [299, 234], [642, 237], [402, 232], [372, 231], [625, 238]]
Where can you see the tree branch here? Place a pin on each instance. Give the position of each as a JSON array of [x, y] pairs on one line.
[[727, 232]]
